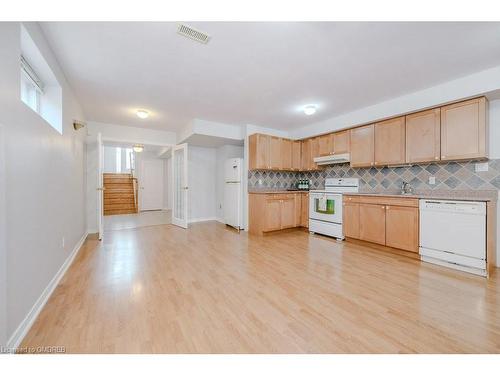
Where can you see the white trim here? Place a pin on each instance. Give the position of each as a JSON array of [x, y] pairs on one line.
[[199, 219], [220, 220], [23, 328]]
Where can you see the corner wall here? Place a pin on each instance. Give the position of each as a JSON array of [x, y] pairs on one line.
[[44, 184]]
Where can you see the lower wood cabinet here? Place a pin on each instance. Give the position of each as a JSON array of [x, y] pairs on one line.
[[372, 223], [401, 229], [386, 221], [273, 211], [304, 210]]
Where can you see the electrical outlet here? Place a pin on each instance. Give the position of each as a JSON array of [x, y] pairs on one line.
[[432, 180], [481, 167], [260, 181]]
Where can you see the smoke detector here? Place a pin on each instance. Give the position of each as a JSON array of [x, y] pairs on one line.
[[192, 33]]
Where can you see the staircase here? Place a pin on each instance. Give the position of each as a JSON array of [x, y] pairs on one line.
[[119, 194]]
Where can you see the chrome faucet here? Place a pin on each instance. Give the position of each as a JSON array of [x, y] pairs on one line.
[[406, 188]]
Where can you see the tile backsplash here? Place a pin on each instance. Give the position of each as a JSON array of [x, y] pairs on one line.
[[449, 176]]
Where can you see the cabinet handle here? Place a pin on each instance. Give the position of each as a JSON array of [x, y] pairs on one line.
[[443, 157], [386, 207], [371, 163], [375, 163], [383, 207], [437, 157]]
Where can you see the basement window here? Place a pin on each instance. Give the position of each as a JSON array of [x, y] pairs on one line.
[[40, 89], [31, 86]]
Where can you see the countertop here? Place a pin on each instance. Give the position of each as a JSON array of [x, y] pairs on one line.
[[462, 195], [275, 191]]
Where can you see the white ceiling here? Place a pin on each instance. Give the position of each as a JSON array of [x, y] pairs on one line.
[[260, 73]]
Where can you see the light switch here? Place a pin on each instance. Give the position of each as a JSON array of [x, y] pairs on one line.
[[432, 180], [481, 167]]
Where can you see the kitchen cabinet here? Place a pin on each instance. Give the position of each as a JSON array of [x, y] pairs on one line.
[[341, 142], [402, 227], [305, 155], [325, 145], [362, 146], [387, 221], [258, 147], [464, 130], [296, 155], [286, 154], [272, 212], [372, 223], [423, 136], [390, 142], [288, 212], [276, 211], [351, 219], [304, 215], [275, 153]]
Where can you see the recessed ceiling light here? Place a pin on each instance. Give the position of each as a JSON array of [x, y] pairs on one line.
[[310, 109], [141, 113], [138, 148]]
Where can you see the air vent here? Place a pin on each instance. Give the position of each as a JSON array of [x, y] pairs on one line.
[[192, 33]]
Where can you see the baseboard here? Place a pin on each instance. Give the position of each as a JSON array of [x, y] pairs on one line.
[[220, 220], [199, 219], [23, 328]]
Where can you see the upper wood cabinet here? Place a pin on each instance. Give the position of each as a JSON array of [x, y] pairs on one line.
[[464, 130], [296, 155], [341, 142], [390, 142], [286, 154], [362, 146], [314, 152], [275, 153], [325, 145], [423, 136], [401, 227], [305, 155], [258, 149]]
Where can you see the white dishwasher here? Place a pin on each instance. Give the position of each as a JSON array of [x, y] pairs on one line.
[[453, 234]]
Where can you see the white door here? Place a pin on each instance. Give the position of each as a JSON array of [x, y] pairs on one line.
[[151, 185], [180, 185], [100, 185]]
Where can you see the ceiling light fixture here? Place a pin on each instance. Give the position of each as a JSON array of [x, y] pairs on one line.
[[310, 109], [138, 148], [141, 113]]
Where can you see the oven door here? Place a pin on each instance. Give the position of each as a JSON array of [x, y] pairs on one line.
[[325, 207]]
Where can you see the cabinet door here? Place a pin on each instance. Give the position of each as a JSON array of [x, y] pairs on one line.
[[325, 145], [402, 227], [288, 213], [286, 154], [351, 219], [341, 142], [390, 142], [259, 151], [273, 215], [372, 223], [463, 130], [362, 146], [298, 209], [423, 136], [304, 211], [314, 153], [296, 155], [306, 155], [275, 153]]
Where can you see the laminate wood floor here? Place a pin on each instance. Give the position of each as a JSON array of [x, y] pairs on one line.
[[208, 289]]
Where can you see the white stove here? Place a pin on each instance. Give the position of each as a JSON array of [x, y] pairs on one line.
[[325, 206]]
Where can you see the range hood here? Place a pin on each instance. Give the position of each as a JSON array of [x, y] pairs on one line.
[[332, 159]]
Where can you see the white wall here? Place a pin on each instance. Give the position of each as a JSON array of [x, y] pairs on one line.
[[130, 134], [223, 153], [3, 250], [202, 163], [44, 182]]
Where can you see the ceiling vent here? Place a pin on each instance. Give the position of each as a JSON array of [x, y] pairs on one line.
[[192, 33]]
